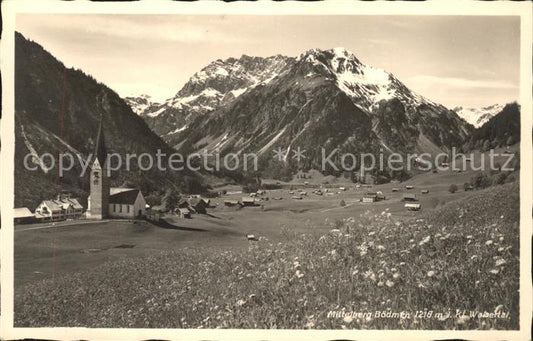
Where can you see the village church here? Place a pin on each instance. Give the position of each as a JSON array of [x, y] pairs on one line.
[[105, 202]]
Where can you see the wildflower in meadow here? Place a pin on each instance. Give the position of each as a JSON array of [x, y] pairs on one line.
[[494, 271], [240, 303], [489, 242], [389, 283], [396, 275], [500, 261], [424, 241], [431, 273], [298, 274]]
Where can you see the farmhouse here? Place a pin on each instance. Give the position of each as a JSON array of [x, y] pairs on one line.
[[370, 197], [413, 207], [200, 205], [22, 215], [126, 203], [409, 197], [60, 209]]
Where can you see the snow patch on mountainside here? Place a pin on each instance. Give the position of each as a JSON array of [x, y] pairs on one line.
[[478, 116]]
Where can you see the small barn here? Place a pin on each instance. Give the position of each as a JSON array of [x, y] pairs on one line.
[[231, 203], [183, 213], [409, 197], [409, 187], [248, 201], [22, 215], [424, 191], [153, 215], [413, 207], [395, 189]]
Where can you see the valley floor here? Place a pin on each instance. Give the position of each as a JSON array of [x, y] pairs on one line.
[[313, 257]]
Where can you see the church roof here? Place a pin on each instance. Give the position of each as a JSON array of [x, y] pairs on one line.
[[100, 151], [125, 197]]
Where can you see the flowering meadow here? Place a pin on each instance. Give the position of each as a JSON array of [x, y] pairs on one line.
[[456, 267]]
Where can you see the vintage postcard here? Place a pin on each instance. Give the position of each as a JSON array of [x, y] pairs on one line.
[[332, 170]]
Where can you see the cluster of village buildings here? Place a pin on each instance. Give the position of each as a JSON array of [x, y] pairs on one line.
[[127, 203]]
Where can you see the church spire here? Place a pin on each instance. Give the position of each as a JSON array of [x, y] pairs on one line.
[[100, 151]]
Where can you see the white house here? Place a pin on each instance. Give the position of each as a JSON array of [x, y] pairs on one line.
[[126, 203]]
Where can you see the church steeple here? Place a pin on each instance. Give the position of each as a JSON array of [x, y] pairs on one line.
[[100, 151], [98, 201]]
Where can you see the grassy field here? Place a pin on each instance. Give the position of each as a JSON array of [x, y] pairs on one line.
[[313, 258], [46, 251]]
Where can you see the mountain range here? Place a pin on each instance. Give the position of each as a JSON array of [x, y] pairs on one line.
[[322, 98]]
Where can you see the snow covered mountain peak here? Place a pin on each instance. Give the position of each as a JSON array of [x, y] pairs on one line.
[[364, 84]]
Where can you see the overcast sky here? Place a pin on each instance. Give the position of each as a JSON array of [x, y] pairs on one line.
[[470, 61]]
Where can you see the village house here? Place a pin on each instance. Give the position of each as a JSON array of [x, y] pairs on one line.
[[59, 209], [200, 205], [194, 205], [409, 197], [126, 203]]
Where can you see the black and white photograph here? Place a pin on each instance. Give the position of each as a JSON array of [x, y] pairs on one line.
[[346, 172]]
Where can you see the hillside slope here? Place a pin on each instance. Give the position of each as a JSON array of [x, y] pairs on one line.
[[58, 110]]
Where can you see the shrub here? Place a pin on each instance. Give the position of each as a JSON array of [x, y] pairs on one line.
[[343, 203], [452, 188]]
